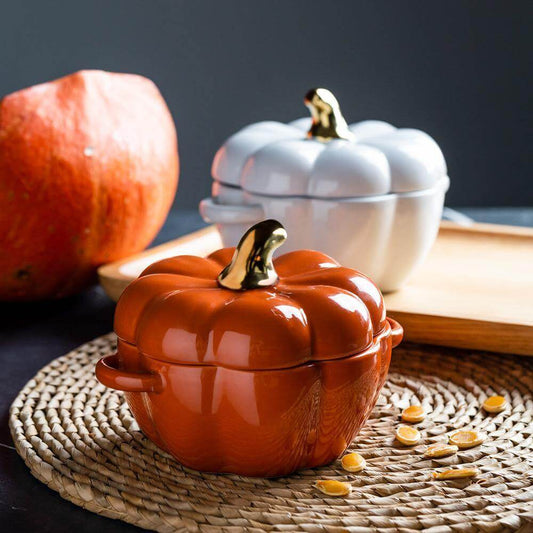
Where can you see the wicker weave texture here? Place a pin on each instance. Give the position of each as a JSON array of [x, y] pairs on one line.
[[81, 440]]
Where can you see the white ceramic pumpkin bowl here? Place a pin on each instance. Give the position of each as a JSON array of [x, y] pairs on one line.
[[369, 195]]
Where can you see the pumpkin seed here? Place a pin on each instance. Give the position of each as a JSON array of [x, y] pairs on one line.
[[441, 450], [466, 439], [332, 487], [413, 413], [456, 473], [408, 435], [353, 462], [495, 404]]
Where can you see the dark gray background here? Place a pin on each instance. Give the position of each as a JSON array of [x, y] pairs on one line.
[[459, 70]]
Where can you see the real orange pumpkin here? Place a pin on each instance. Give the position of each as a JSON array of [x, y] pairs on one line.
[[88, 171]]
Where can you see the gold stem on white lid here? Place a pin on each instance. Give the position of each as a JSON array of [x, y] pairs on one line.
[[327, 120]]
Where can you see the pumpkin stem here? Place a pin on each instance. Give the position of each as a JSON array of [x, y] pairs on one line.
[[327, 120], [251, 266]]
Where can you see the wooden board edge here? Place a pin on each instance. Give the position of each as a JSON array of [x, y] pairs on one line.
[[487, 229], [113, 269], [429, 329], [466, 333], [113, 287], [114, 281]]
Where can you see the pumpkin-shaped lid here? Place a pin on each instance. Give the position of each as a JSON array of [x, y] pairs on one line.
[[323, 157], [239, 308]]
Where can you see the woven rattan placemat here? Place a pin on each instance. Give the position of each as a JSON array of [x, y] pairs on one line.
[[81, 440]]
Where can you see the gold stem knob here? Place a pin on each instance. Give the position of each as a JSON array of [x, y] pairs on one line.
[[251, 266], [327, 120]]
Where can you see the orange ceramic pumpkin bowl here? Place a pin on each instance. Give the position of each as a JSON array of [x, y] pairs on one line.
[[247, 372]]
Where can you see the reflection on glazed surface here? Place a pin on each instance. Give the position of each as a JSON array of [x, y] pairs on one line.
[[369, 194], [261, 423], [259, 382], [387, 237], [318, 310]]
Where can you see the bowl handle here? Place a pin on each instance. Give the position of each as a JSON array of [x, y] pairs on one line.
[[108, 373], [216, 213], [396, 332]]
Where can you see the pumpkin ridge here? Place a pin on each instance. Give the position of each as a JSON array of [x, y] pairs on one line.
[[140, 294], [178, 337], [222, 257], [184, 265], [238, 328], [336, 317], [302, 261], [348, 279], [317, 311]]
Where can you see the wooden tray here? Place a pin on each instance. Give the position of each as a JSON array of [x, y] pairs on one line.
[[475, 290]]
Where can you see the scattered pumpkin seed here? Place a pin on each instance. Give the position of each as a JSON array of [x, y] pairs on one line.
[[353, 462], [466, 439], [441, 449], [495, 404], [332, 487], [413, 413], [455, 473], [408, 435]]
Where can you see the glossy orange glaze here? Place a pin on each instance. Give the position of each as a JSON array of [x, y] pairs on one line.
[[260, 382], [318, 310]]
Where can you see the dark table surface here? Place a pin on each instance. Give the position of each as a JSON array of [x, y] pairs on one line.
[[35, 333]]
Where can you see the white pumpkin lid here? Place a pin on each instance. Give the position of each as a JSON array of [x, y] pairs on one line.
[[307, 158]]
